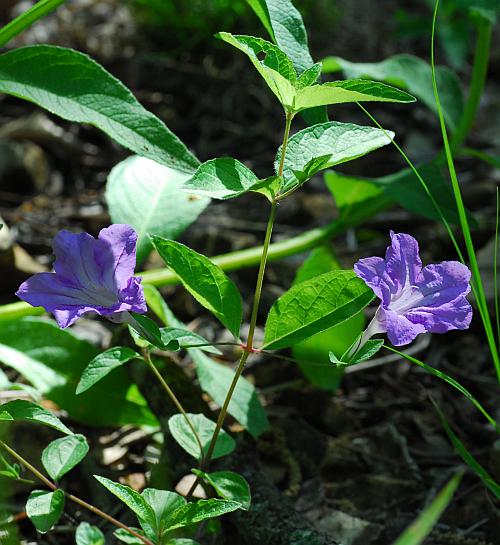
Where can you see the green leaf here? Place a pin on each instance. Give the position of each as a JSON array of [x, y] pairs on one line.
[[204, 280], [145, 332], [309, 76], [404, 188], [284, 24], [367, 351], [147, 196], [53, 360], [132, 499], [275, 68], [194, 512], [73, 86], [354, 90], [181, 541], [223, 178], [418, 530], [322, 146], [163, 503], [312, 355], [356, 198], [175, 338], [229, 486], [86, 534], [313, 306], [20, 409], [245, 406], [466, 456], [62, 455], [205, 428], [412, 74], [103, 364], [45, 508], [126, 537]]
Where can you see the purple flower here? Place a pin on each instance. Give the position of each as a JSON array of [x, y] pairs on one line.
[[415, 300], [90, 275]]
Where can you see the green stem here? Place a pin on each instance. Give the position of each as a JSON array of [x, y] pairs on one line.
[[26, 19], [478, 79], [49, 484], [173, 397], [476, 275], [248, 349]]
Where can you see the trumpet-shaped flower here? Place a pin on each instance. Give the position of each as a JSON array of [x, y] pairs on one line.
[[415, 300], [91, 275]]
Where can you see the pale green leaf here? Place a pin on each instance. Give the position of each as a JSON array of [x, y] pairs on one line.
[[175, 338], [275, 68], [73, 86], [204, 280], [132, 499], [103, 364], [63, 454], [223, 178], [229, 486], [412, 74], [22, 410], [284, 24], [194, 512], [163, 503], [313, 306], [245, 406], [355, 90], [86, 534], [205, 428], [44, 509], [147, 196], [322, 146]]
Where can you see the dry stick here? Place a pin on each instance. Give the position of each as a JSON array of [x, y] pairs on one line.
[[71, 497], [248, 349]]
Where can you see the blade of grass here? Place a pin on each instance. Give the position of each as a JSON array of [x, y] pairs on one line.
[[422, 526], [452, 382], [495, 271], [26, 19], [477, 283], [466, 455]]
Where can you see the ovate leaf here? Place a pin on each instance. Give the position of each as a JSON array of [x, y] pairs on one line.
[[412, 74], [355, 90], [284, 24], [193, 512], [175, 338], [271, 62], [86, 534], [205, 428], [73, 86], [163, 503], [103, 364], [204, 280], [245, 406], [223, 178], [44, 509], [147, 196], [313, 306], [132, 499], [62, 455], [20, 409], [229, 486], [322, 146]]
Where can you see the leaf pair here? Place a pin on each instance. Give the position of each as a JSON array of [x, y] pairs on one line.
[[309, 151], [297, 93], [160, 511]]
